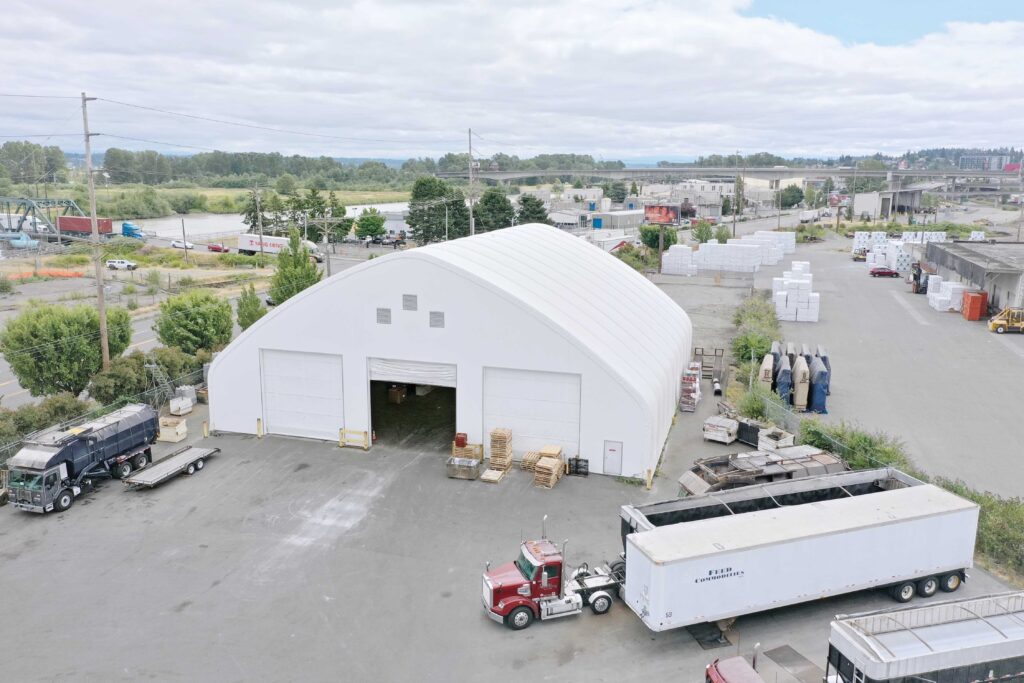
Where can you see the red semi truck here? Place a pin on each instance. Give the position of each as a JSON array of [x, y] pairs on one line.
[[81, 226]]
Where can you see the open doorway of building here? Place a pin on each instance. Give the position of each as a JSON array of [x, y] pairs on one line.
[[413, 415]]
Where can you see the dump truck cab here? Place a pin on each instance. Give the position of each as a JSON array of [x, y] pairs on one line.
[[36, 484], [1007, 320]]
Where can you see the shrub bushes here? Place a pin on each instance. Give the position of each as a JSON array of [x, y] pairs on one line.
[[15, 424], [758, 327]]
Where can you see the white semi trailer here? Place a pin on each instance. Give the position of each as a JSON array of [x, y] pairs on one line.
[[715, 557]]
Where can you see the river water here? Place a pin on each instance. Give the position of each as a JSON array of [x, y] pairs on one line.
[[206, 225]]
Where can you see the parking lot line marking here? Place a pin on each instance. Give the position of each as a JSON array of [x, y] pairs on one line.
[[140, 343], [10, 381], [1009, 343], [909, 309]]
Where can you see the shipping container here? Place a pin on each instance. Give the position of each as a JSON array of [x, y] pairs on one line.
[[975, 306], [82, 225]]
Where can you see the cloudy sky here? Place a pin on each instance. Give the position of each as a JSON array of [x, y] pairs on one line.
[[614, 78]]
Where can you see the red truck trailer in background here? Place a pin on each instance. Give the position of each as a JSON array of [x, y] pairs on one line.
[[732, 670], [82, 225]]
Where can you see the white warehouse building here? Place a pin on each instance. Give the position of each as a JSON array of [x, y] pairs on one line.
[[526, 328]]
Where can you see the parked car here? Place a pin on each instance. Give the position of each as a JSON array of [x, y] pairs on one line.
[[882, 271], [182, 244], [270, 301], [218, 247], [685, 222], [121, 264]]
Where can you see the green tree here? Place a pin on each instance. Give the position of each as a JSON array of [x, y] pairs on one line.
[[739, 197], [634, 190], [128, 376], [722, 233], [427, 211], [295, 270], [493, 211], [250, 214], [57, 348], [811, 197], [828, 187], [856, 184], [791, 196], [577, 184], [531, 210], [617, 191], [726, 206], [194, 320], [702, 232], [250, 308], [287, 184], [649, 235], [370, 224]]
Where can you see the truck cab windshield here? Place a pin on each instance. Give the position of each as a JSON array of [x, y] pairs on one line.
[[526, 565], [28, 480]]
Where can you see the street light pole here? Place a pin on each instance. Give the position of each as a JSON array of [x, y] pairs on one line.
[[101, 304]]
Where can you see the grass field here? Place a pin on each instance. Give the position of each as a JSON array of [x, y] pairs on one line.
[[213, 193]]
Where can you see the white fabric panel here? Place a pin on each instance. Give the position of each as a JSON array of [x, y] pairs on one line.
[[412, 372], [540, 408], [302, 394]]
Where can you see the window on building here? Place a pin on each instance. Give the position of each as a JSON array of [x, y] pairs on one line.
[[408, 302], [383, 316], [437, 318]]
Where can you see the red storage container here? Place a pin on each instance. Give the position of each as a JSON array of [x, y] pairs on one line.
[[83, 225], [975, 305], [461, 439]]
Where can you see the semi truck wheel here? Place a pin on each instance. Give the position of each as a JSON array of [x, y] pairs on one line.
[[123, 470], [601, 604], [141, 461], [904, 592], [927, 587], [519, 618], [950, 582], [65, 499]]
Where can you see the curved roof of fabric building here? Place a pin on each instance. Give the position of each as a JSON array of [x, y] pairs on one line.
[[623, 320]]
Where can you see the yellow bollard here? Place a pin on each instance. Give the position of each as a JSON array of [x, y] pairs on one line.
[[259, 427], [650, 480], [206, 429], [341, 438]]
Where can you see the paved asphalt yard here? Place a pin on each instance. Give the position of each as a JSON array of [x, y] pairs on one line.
[[289, 560]]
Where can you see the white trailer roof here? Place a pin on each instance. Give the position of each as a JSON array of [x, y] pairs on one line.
[[939, 635], [687, 540]]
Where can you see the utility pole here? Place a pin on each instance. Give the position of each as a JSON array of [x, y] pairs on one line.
[[259, 219], [472, 222], [778, 224], [735, 198], [184, 240], [101, 304]]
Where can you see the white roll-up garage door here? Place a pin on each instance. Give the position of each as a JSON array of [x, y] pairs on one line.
[[540, 408], [302, 394], [412, 372]]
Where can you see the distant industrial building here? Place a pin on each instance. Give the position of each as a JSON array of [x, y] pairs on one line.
[[995, 267], [984, 162], [625, 219]]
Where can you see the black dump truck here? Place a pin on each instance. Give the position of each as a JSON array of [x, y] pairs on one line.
[[52, 465]]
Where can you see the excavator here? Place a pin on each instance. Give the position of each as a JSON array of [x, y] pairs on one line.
[[1007, 320]]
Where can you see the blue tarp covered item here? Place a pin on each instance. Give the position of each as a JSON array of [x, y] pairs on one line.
[[791, 352], [776, 354], [805, 351], [819, 387], [784, 380], [823, 355]]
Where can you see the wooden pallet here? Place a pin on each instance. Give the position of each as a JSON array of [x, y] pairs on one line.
[[470, 450], [500, 461], [529, 462], [547, 472], [501, 437], [492, 476], [551, 451]]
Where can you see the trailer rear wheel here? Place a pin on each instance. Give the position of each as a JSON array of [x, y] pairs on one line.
[[200, 464], [191, 469], [65, 499], [519, 618], [927, 587], [601, 604], [903, 592], [123, 470], [950, 582]]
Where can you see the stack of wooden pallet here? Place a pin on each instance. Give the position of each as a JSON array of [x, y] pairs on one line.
[[501, 449], [472, 451], [529, 462], [548, 471]]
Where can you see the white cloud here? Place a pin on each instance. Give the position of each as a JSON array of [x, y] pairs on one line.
[[616, 79]]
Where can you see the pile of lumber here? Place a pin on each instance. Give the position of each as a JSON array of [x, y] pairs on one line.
[[548, 471], [492, 476], [501, 449], [472, 451]]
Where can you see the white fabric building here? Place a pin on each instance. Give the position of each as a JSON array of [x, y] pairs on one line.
[[535, 330]]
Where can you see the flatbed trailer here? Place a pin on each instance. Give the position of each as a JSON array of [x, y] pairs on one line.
[[189, 460]]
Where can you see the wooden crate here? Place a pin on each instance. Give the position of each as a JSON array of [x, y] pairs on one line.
[[548, 471], [470, 450], [492, 476], [530, 459]]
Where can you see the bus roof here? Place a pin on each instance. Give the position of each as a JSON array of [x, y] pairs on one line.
[[940, 635]]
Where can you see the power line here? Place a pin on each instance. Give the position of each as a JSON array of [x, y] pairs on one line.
[[254, 126], [158, 142], [43, 135], [44, 97]]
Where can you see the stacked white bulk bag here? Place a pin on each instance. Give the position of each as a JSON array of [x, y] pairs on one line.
[[896, 257], [933, 236], [945, 295], [911, 237], [977, 236], [792, 295], [879, 237], [678, 260], [786, 239], [861, 241], [740, 258], [771, 251]]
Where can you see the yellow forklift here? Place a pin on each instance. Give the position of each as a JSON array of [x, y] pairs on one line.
[[1007, 320]]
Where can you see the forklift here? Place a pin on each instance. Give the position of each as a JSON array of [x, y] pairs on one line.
[[1007, 320]]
